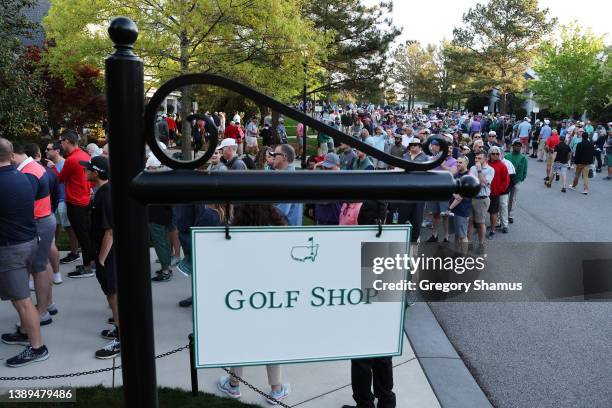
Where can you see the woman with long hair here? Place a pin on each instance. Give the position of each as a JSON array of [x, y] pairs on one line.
[[256, 215], [263, 160]]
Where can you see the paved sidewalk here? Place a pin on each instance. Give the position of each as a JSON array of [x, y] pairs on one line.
[[73, 337]]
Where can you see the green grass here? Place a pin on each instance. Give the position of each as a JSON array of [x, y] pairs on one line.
[[311, 145], [62, 243], [291, 124], [101, 397]]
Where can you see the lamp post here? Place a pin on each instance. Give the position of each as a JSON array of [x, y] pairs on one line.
[[453, 86], [535, 111], [304, 102]]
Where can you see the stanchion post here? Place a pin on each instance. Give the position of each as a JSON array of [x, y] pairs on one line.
[[194, 372], [125, 103]]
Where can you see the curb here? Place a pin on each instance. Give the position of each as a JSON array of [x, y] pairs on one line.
[[450, 380]]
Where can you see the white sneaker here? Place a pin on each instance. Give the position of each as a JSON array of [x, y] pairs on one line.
[[279, 395], [32, 284], [57, 278]]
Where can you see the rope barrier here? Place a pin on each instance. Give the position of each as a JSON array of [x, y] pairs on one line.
[[81, 373], [113, 368]]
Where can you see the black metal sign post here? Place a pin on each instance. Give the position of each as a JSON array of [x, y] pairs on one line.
[[125, 99], [132, 190]]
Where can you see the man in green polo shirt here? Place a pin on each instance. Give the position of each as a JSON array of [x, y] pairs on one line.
[[519, 161]]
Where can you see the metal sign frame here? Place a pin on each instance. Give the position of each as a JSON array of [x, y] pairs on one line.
[[131, 127]]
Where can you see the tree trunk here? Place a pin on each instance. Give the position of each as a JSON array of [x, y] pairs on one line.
[[275, 138], [263, 111], [186, 102]]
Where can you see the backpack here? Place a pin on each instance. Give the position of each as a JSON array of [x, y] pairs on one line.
[[349, 213]]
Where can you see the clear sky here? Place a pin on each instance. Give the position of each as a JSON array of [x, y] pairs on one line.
[[431, 21]]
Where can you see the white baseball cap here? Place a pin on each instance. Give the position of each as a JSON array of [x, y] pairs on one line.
[[227, 142]]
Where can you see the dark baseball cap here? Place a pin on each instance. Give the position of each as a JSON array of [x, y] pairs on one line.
[[98, 164]]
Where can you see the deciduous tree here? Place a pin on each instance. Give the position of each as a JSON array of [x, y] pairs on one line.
[[254, 41], [573, 72], [21, 106]]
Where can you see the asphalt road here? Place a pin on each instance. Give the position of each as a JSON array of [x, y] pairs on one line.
[[542, 354]]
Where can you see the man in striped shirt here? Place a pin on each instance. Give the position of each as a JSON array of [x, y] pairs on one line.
[[45, 228]]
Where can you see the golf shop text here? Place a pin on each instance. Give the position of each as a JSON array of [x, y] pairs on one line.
[[237, 299]]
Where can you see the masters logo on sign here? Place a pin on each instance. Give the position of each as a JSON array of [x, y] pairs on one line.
[[305, 252], [314, 298]]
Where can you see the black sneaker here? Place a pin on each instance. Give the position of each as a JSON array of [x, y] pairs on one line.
[[16, 338], [432, 239], [546, 178], [563, 190], [28, 355], [111, 320], [163, 277], [490, 235], [505, 230], [557, 177], [81, 272], [186, 302], [52, 309], [511, 220], [44, 320], [111, 350], [110, 334], [70, 258]]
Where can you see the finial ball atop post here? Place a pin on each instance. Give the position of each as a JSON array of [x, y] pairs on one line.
[[123, 32]]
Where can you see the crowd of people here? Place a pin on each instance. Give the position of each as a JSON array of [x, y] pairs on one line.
[[68, 188]]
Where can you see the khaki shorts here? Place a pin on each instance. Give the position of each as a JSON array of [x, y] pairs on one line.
[[61, 215], [251, 141], [480, 207], [549, 158]]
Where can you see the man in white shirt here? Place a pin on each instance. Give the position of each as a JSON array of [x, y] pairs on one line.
[[480, 204], [252, 131]]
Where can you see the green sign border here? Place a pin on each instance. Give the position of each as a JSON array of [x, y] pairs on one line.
[[234, 230]]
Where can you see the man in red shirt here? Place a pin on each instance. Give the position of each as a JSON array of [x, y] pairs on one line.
[[233, 131], [77, 199], [551, 143], [499, 185], [171, 130]]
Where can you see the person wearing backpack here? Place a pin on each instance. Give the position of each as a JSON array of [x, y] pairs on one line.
[[583, 158]]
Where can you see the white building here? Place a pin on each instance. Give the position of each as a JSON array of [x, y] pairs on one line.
[[530, 103]]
